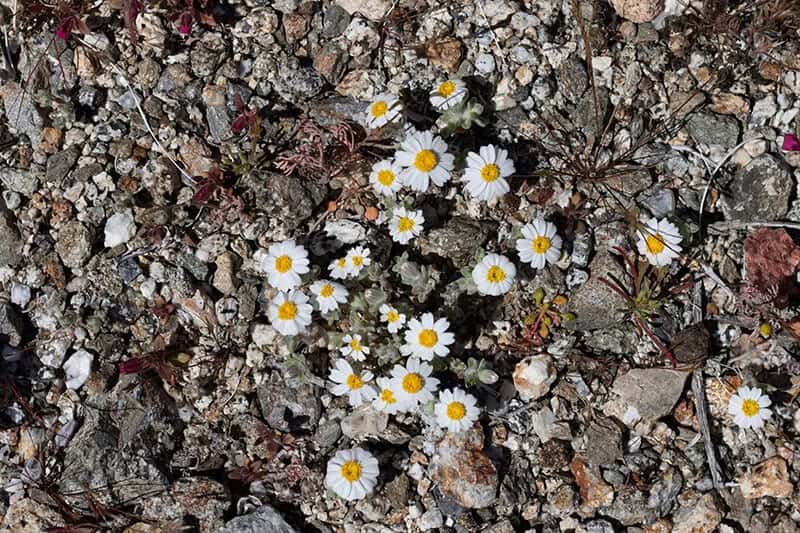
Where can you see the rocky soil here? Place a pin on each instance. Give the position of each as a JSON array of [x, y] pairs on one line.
[[152, 152]]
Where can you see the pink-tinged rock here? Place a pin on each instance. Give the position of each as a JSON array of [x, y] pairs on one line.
[[768, 478], [638, 10], [593, 490], [463, 471], [533, 376]]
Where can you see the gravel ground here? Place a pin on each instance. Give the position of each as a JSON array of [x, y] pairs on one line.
[[590, 220]]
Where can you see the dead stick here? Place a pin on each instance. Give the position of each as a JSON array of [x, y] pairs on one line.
[[700, 407]]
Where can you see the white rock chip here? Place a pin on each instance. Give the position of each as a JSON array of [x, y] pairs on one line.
[[533, 376], [120, 228], [20, 294], [372, 9], [77, 368]]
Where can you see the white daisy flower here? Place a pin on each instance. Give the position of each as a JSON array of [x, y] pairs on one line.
[[659, 241], [448, 94], [486, 173], [426, 338], [424, 158], [352, 384], [385, 108], [352, 474], [290, 312], [405, 224], [749, 407], [494, 274], [456, 410], [329, 295], [340, 268], [539, 244], [284, 263], [354, 348], [387, 400], [393, 318], [385, 177], [357, 259], [413, 382]]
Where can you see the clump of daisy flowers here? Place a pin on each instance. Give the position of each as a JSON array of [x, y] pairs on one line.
[[361, 373]]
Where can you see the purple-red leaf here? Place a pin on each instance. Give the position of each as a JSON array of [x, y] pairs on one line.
[[133, 365], [203, 194]]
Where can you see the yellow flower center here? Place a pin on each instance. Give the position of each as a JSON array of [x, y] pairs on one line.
[[412, 383], [358, 260], [446, 89], [287, 311], [355, 345], [428, 338], [490, 172], [655, 243], [750, 407], [341, 263], [540, 244], [283, 264], [388, 396], [379, 108], [765, 329], [425, 161], [326, 291], [354, 382], [405, 224], [456, 411], [386, 177], [351, 471], [392, 316], [495, 274]]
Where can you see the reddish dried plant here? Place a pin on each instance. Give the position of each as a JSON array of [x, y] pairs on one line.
[[323, 152], [217, 190]]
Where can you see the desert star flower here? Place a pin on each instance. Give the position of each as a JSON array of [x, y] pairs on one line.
[[426, 338], [486, 173], [357, 259], [385, 177], [539, 244], [405, 225], [290, 312], [659, 241], [749, 408], [385, 108], [340, 268], [329, 295], [456, 410], [346, 381], [352, 474], [354, 348], [413, 382], [393, 318], [494, 275], [448, 94], [284, 263], [387, 400], [424, 158]]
